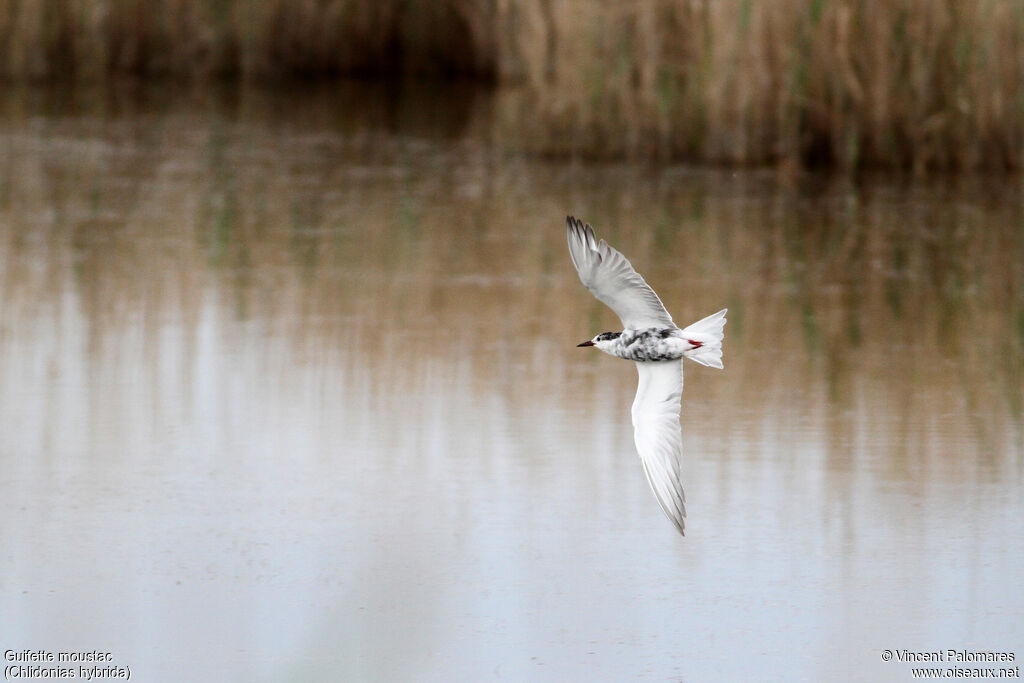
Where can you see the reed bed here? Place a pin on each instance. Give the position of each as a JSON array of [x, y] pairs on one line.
[[916, 84], [920, 84]]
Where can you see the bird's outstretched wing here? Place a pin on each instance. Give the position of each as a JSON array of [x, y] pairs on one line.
[[657, 435], [610, 277]]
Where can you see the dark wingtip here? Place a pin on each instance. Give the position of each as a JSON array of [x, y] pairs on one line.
[[575, 224]]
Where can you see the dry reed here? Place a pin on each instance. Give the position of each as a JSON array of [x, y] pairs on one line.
[[919, 84]]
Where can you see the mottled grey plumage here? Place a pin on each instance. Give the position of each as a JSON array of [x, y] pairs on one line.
[[651, 345]]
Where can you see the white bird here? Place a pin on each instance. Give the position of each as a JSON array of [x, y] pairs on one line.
[[657, 345]]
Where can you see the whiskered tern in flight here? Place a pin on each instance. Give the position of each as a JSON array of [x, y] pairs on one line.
[[658, 347]]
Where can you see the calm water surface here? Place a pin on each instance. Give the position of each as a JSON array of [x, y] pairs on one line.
[[289, 391]]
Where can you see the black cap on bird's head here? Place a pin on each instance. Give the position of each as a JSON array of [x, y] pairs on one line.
[[604, 336]]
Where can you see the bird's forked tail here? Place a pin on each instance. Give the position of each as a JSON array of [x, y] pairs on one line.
[[707, 333]]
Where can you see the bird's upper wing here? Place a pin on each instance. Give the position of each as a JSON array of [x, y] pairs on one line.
[[657, 435], [611, 278]]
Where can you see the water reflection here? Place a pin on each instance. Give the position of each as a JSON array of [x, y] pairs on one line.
[[289, 392]]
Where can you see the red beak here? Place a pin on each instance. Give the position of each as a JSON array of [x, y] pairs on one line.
[[586, 343]]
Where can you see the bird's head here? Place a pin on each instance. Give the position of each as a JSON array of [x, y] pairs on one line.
[[603, 341]]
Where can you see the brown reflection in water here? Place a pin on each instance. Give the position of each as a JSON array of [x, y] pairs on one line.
[[883, 314]]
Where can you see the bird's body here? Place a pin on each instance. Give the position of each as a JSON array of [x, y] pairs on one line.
[[657, 345], [650, 345]]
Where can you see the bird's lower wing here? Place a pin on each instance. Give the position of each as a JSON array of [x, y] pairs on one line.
[[658, 437], [612, 279]]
